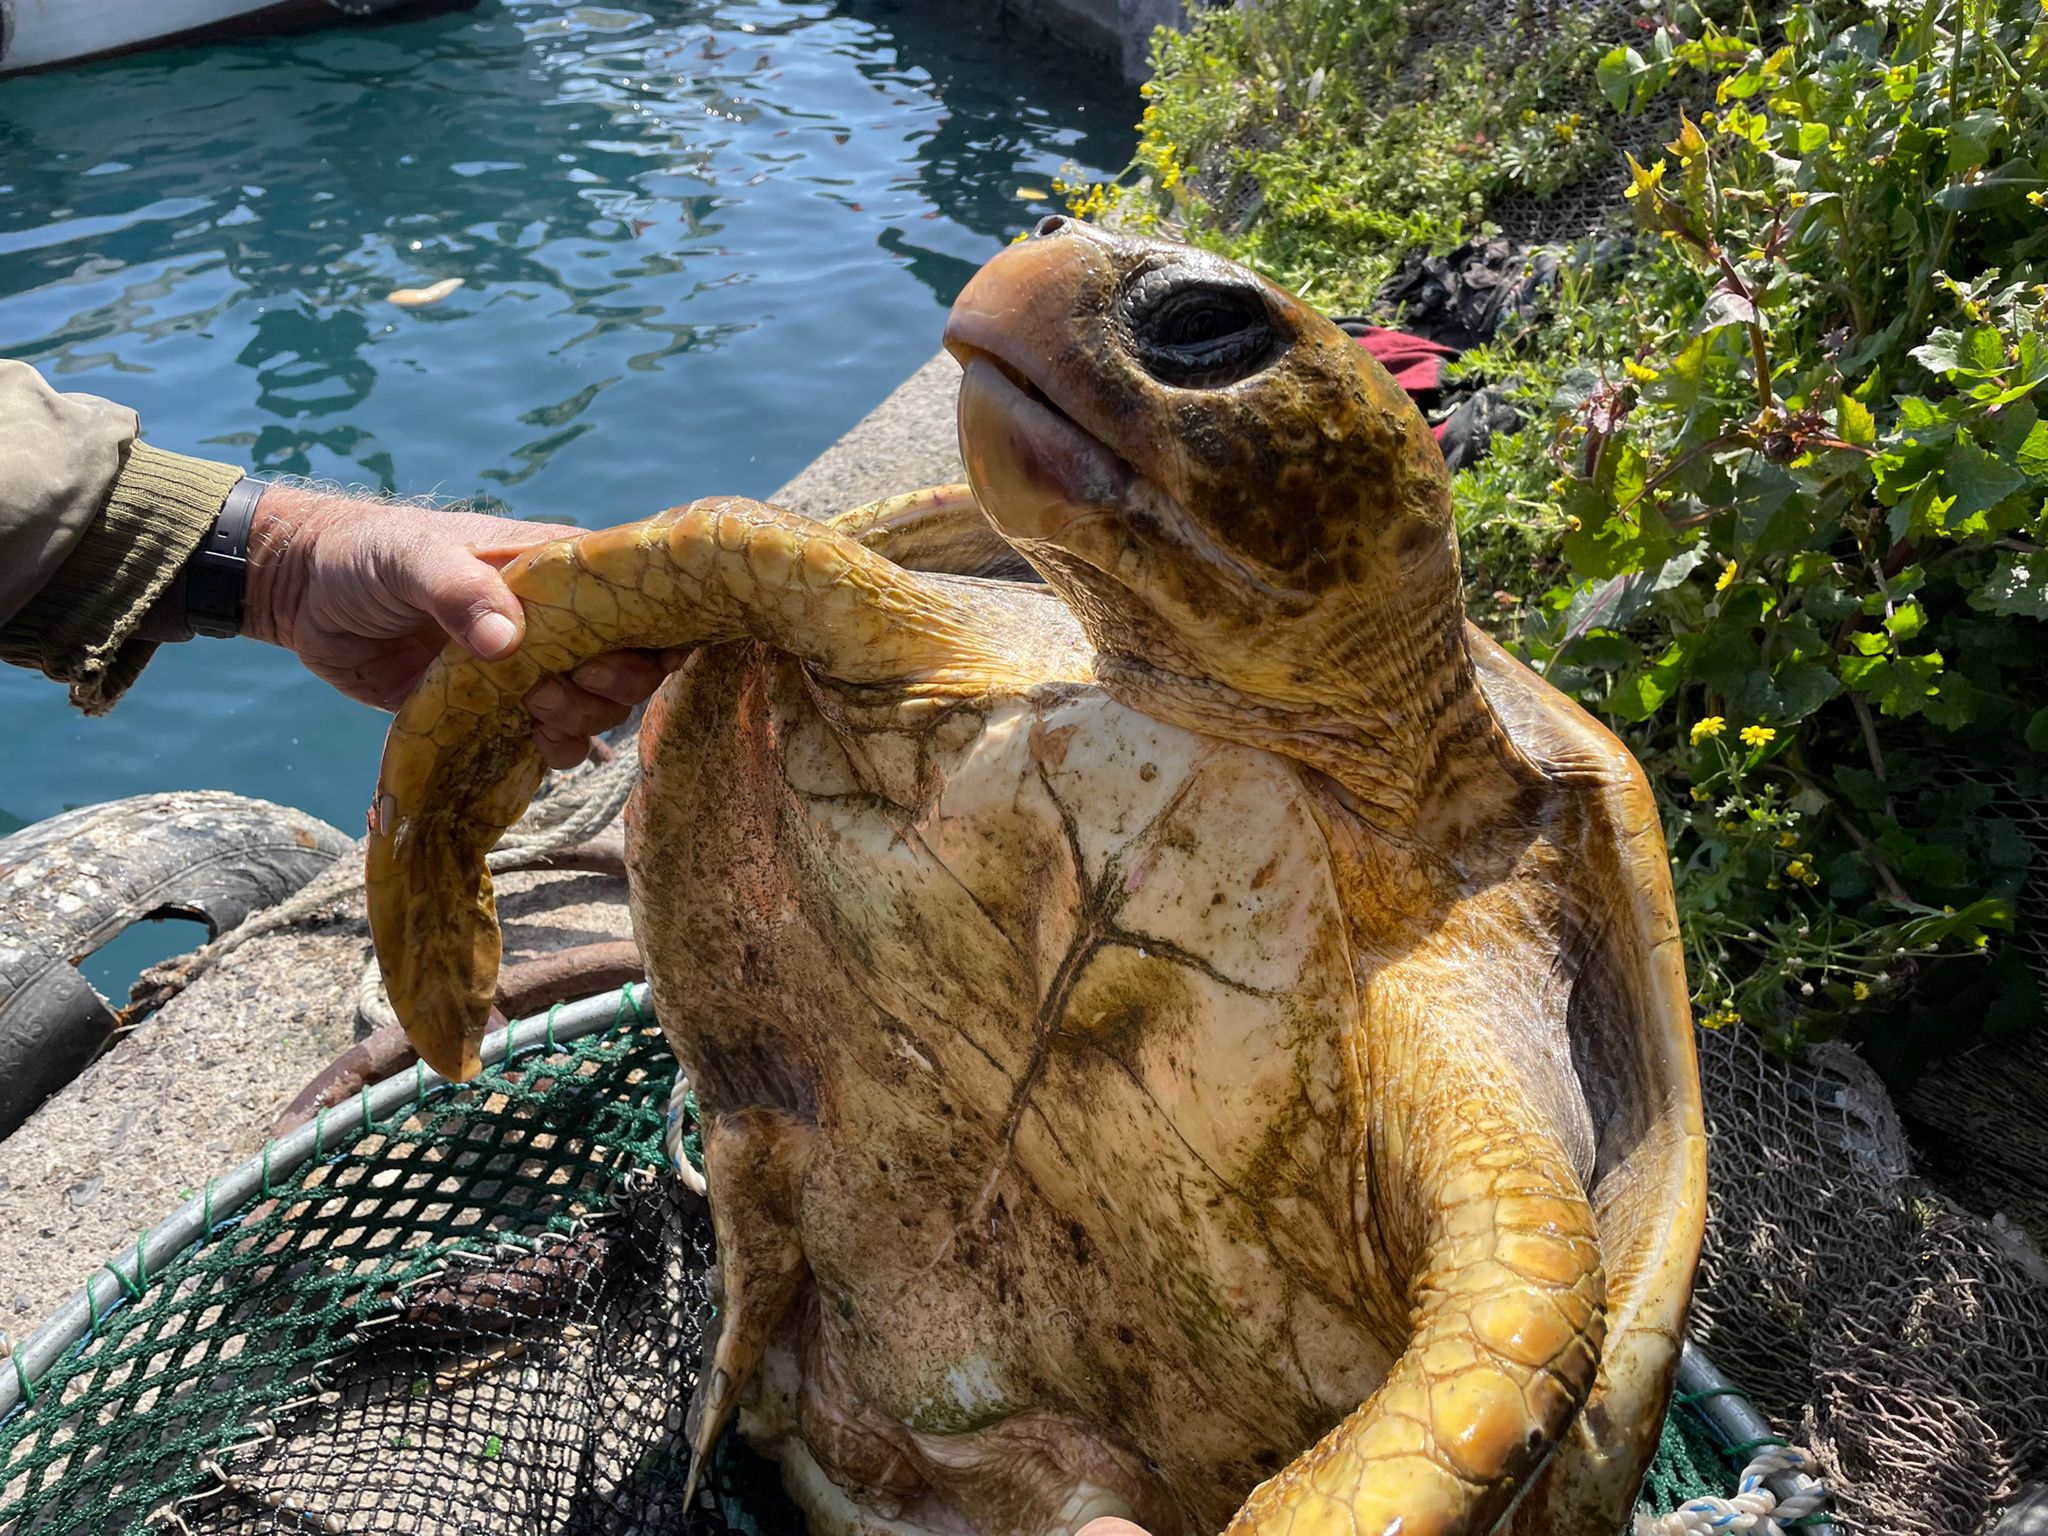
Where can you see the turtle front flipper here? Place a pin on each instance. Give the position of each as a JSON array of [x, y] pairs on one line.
[[460, 765], [1507, 1301]]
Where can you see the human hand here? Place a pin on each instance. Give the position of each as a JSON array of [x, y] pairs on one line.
[[1110, 1525], [367, 593]]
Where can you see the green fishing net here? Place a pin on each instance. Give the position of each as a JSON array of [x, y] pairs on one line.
[[480, 1315]]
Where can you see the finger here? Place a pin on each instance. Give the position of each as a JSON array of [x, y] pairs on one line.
[[624, 677], [1110, 1525], [465, 596], [509, 539], [558, 705], [558, 750]]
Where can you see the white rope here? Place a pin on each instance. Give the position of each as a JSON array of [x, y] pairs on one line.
[[672, 1135], [1755, 1510]]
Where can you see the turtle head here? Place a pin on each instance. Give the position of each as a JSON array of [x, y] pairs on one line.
[[1220, 482]]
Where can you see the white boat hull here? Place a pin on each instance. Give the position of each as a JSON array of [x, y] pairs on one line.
[[37, 34]]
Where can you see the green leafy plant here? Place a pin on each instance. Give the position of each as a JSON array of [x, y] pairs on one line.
[[1807, 510], [1779, 516], [1319, 139]]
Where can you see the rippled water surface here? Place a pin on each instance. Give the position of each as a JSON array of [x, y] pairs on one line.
[[699, 240]]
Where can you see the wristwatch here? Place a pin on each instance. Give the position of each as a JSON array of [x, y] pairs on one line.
[[217, 575]]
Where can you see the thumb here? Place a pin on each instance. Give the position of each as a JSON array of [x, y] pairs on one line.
[[467, 597]]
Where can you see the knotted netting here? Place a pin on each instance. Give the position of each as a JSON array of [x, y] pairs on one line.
[[473, 1311], [1901, 1338]]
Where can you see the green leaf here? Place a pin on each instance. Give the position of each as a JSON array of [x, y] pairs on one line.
[[2016, 588], [1906, 621], [1944, 866], [2037, 731], [1860, 787], [1901, 685], [1797, 689], [1678, 383], [1942, 353], [1809, 566], [1602, 650], [1741, 85], [1771, 519], [1639, 697], [2008, 184], [1677, 568], [1854, 421], [1970, 139], [2032, 455], [1726, 307], [1978, 481], [1986, 349], [1617, 74], [1916, 413]]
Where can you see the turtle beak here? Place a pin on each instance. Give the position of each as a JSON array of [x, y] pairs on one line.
[[1022, 330], [1035, 471]]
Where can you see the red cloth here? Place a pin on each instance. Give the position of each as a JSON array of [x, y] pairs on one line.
[[1416, 364]]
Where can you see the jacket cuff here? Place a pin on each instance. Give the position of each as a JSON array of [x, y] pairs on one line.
[[82, 627]]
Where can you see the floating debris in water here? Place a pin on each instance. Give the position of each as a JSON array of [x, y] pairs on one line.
[[1033, 195], [433, 293]]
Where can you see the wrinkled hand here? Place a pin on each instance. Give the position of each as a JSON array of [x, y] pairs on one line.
[[367, 594]]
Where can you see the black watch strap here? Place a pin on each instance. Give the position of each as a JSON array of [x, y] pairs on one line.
[[217, 575]]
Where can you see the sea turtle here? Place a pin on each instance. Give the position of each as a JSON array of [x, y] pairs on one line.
[[1185, 1026]]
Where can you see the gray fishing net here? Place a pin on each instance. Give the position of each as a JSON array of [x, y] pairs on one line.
[[1901, 1338]]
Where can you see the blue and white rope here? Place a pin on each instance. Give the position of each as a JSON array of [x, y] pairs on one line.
[[1755, 1510]]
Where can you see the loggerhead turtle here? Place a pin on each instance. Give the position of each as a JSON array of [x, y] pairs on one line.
[[1186, 1027]]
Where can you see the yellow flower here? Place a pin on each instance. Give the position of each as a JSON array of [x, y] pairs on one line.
[[1788, 839], [1641, 180], [1638, 372], [1727, 577], [1860, 991], [1713, 725], [1701, 795], [1758, 735], [1796, 869]]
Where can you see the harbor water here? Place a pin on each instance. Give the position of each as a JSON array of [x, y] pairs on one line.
[[698, 240]]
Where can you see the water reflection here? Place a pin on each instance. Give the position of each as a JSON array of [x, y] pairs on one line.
[[604, 170], [697, 239]]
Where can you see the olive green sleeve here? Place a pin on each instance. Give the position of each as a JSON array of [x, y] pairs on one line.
[[94, 524]]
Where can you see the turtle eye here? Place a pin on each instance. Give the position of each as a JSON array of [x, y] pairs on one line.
[[1197, 335]]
